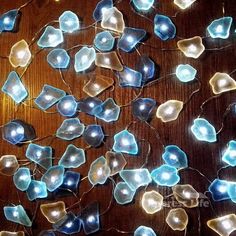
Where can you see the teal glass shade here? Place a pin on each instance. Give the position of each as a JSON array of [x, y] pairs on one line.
[[104, 41], [185, 73], [229, 155], [37, 189], [123, 194], [58, 58], [69, 22], [144, 231], [8, 20], [141, 5], [22, 178], [231, 190]]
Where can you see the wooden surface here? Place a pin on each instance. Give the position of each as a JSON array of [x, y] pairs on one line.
[[202, 156]]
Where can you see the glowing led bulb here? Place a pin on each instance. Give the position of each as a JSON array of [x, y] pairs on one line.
[[183, 4], [177, 219]]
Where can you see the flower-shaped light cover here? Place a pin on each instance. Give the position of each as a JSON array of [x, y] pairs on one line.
[[69, 22], [101, 5], [51, 37], [125, 142], [219, 190], [141, 5], [8, 165], [185, 73], [220, 28], [165, 175], [123, 194], [37, 189], [90, 105], [14, 88], [177, 219], [229, 155], [58, 58], [67, 106], [104, 41], [175, 157], [22, 178], [48, 97], [8, 20], [73, 157], [17, 214], [203, 130], [136, 178], [70, 129], [144, 231], [93, 135], [99, 171]]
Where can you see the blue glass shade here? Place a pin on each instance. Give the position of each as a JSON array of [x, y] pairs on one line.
[[22, 178], [142, 108], [229, 155], [71, 181], [220, 28], [69, 22], [67, 106], [147, 68], [58, 58], [175, 157], [109, 111], [123, 194], [53, 177], [144, 231], [104, 41], [136, 178], [130, 38], [164, 28], [90, 105], [218, 189], [99, 171], [46, 233], [93, 135], [36, 189], [141, 5], [69, 224], [129, 78], [17, 214], [165, 175], [51, 37], [73, 157], [125, 142], [90, 218], [8, 20], [231, 190], [203, 130], [48, 97], [70, 129], [42, 155], [17, 131], [101, 6], [14, 88], [84, 59], [185, 73]]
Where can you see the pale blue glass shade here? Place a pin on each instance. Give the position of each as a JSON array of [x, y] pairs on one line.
[[8, 20], [231, 190], [143, 108], [141, 5], [185, 72], [37, 189], [53, 177], [73, 157], [48, 97], [109, 111], [69, 22], [22, 178], [58, 58], [42, 155], [93, 135], [100, 7], [84, 59], [17, 214], [219, 190], [90, 218], [51, 37], [68, 224], [203, 130], [70, 181], [164, 28], [17, 131], [123, 194], [130, 38], [70, 129], [175, 157], [99, 171], [104, 41], [67, 106], [125, 142], [136, 178], [90, 105], [14, 88], [229, 155], [129, 78], [165, 175], [144, 231], [220, 28], [147, 68]]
